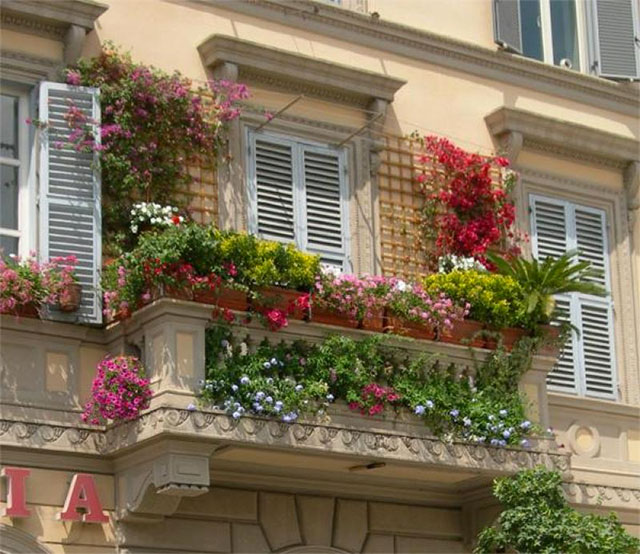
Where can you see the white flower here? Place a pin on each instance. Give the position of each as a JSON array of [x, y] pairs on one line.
[[400, 286], [330, 270]]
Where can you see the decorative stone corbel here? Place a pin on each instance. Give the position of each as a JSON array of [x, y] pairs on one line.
[[155, 479], [226, 71], [378, 108], [511, 145], [73, 39], [632, 187]]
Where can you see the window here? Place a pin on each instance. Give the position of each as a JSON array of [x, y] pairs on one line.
[[587, 363], [14, 202], [594, 36], [298, 194]]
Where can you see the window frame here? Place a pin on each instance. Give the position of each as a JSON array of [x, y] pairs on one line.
[[576, 300], [547, 35], [298, 146], [26, 196]]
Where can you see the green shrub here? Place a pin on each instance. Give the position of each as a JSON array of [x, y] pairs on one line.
[[537, 518], [496, 300]]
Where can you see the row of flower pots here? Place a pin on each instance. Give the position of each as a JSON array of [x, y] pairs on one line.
[[467, 332], [68, 302]]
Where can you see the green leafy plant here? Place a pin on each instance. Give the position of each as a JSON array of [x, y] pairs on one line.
[[192, 256], [497, 300], [370, 375], [154, 125], [541, 280], [537, 518]]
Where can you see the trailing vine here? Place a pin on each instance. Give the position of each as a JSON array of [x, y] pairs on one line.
[[154, 125]]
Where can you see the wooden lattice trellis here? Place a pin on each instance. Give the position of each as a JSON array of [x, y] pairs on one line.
[[400, 203]]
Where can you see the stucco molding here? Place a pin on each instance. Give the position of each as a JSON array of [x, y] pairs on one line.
[[589, 494], [379, 34], [50, 19], [563, 138], [297, 73], [309, 436], [26, 68], [17, 541]]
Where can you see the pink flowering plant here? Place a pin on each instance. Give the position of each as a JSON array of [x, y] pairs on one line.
[[29, 282], [374, 398], [154, 125], [119, 392], [360, 298]]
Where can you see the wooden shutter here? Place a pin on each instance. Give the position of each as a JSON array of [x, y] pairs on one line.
[[564, 377], [325, 204], [591, 241], [69, 201], [273, 177], [614, 44], [549, 227], [506, 25], [596, 338], [587, 362]]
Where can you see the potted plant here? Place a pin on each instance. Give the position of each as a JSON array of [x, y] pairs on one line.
[[70, 298]]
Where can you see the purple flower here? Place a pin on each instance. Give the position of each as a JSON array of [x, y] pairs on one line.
[[454, 413], [191, 407], [330, 397], [244, 380], [419, 410], [503, 413]]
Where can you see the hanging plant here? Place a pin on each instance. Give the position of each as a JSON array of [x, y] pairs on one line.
[[154, 125], [467, 208]]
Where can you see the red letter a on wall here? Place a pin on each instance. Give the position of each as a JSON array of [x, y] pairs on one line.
[[83, 494], [16, 501]]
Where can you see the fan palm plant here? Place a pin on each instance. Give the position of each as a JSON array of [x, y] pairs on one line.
[[541, 280]]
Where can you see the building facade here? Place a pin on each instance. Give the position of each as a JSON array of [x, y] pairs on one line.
[[347, 81]]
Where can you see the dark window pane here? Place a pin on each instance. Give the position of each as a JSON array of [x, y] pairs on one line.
[[531, 29], [9, 197], [8, 245], [9, 126], [564, 32]]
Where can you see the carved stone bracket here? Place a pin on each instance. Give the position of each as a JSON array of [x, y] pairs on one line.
[[154, 480]]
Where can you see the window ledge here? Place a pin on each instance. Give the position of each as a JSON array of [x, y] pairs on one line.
[[409, 42], [562, 138], [50, 19], [278, 68]]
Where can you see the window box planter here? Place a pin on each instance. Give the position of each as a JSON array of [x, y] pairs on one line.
[[331, 317], [282, 299], [510, 336], [399, 326], [72, 299], [232, 299], [29, 309], [553, 348], [466, 332]]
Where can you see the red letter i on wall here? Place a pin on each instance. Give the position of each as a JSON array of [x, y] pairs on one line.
[[16, 499], [83, 494]]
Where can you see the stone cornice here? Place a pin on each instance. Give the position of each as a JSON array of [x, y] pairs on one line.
[[26, 68], [297, 73], [378, 34], [50, 19], [308, 436], [571, 140]]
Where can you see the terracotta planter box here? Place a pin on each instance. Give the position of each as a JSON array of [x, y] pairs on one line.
[[404, 328], [464, 332], [72, 302], [553, 332], [232, 299], [25, 310], [179, 293], [282, 299], [330, 317], [510, 336]]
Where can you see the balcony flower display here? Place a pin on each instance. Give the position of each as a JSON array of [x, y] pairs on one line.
[[119, 392], [25, 285], [285, 381], [154, 124], [467, 208]]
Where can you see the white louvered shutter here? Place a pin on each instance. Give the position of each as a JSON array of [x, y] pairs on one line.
[[563, 377], [273, 176], [615, 38], [69, 199], [598, 361], [325, 205], [587, 362], [506, 25], [550, 238], [595, 314]]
